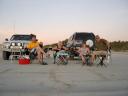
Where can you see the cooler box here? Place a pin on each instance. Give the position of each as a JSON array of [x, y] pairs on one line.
[[24, 61]]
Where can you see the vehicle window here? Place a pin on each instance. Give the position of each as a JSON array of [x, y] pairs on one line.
[[83, 36], [21, 37]]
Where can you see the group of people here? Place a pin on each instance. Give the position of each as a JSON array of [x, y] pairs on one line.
[[101, 47]]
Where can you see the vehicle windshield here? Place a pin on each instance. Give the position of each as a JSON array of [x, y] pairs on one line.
[[21, 37], [83, 36]]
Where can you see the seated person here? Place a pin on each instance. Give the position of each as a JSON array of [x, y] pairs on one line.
[[36, 49], [58, 48], [32, 44], [83, 51], [102, 46]]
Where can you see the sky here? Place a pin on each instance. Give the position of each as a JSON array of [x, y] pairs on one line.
[[55, 20]]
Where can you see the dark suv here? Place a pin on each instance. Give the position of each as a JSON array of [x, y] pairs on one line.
[[79, 37]]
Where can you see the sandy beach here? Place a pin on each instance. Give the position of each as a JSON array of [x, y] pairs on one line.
[[70, 80]]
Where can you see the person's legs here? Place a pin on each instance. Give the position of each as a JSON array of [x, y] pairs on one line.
[[93, 57], [54, 56], [26, 51], [83, 59], [94, 54], [39, 55], [33, 54]]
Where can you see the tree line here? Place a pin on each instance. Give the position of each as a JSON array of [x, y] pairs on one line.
[[115, 45], [119, 45]]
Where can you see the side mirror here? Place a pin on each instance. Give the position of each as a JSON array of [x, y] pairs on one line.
[[6, 39]]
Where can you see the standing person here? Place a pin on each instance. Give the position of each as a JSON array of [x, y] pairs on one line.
[[101, 47], [83, 51]]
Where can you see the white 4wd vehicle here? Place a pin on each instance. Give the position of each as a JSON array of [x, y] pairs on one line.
[[18, 41]]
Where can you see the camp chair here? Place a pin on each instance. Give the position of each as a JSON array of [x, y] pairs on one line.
[[103, 60], [61, 58]]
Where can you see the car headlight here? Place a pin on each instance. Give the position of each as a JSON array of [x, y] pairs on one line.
[[19, 44], [13, 44]]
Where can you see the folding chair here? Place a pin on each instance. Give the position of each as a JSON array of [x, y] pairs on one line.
[[103, 60], [61, 58]]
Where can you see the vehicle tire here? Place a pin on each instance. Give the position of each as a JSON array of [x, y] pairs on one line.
[[6, 55]]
